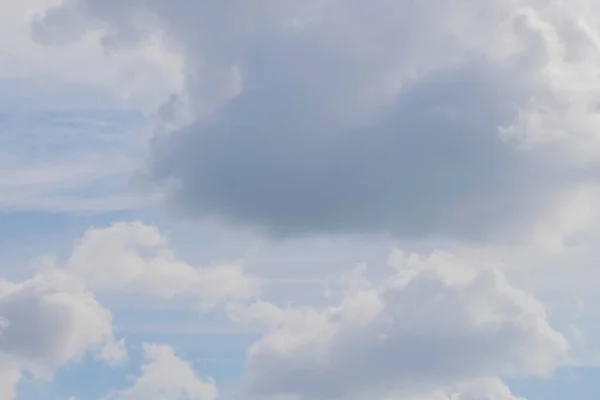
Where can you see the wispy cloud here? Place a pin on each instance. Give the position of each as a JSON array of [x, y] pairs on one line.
[[68, 161]]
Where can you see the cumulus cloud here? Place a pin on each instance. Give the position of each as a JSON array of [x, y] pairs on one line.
[[135, 257], [167, 377], [435, 118], [436, 324], [47, 321]]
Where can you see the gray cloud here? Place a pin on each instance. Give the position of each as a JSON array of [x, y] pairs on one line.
[[432, 163], [329, 117]]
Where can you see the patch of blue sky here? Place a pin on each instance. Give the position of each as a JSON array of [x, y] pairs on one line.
[[579, 383], [88, 379]]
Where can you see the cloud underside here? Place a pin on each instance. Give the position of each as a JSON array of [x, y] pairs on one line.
[[432, 163]]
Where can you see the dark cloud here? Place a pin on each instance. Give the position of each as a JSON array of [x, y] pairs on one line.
[[431, 162]]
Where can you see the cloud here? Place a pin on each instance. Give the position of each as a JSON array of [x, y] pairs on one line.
[[436, 324], [326, 117], [47, 321], [9, 378], [167, 377], [484, 389], [78, 73], [55, 159], [134, 257]]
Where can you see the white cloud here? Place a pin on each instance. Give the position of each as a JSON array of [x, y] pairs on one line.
[[484, 389], [50, 320], [560, 255], [562, 108], [167, 377], [134, 257], [435, 323], [83, 71]]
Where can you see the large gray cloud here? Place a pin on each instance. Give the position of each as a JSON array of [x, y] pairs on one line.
[[424, 166], [411, 118]]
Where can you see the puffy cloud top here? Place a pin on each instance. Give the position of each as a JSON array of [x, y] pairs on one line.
[[166, 377], [434, 323], [135, 257]]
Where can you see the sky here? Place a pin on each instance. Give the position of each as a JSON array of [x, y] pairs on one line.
[[299, 200]]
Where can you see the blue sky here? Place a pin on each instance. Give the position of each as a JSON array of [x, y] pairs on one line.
[[291, 200]]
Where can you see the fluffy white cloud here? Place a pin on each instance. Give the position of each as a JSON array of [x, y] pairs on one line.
[[167, 377], [53, 318], [47, 321], [434, 324], [435, 118], [134, 257]]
